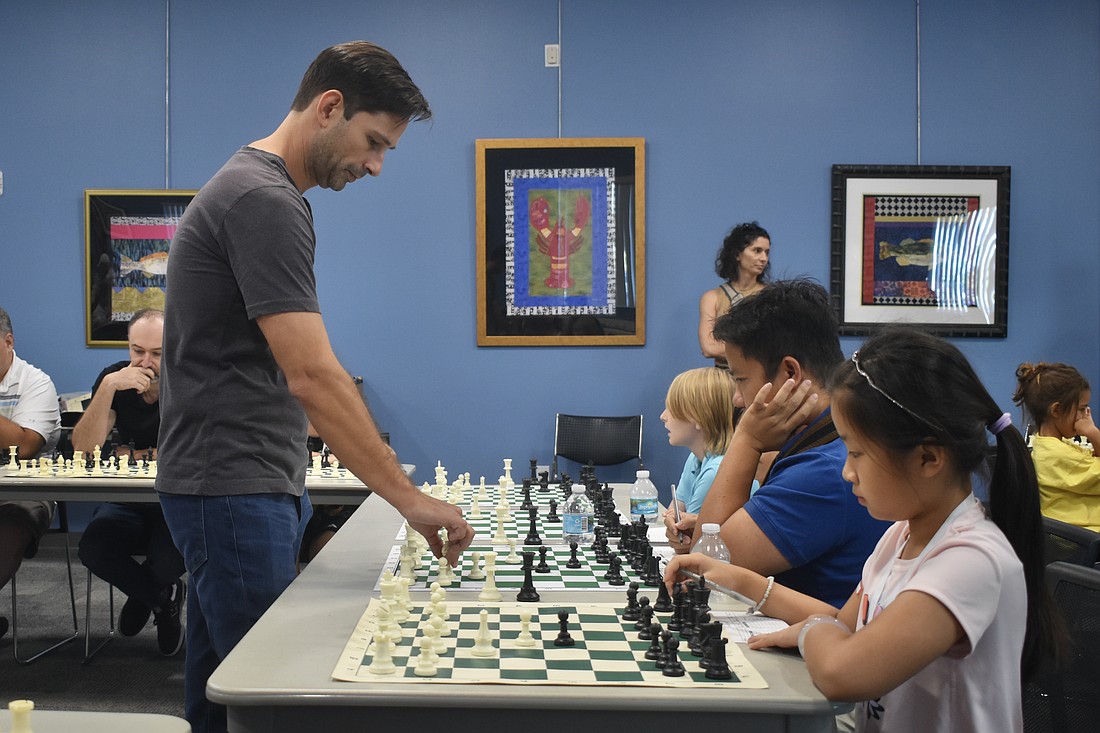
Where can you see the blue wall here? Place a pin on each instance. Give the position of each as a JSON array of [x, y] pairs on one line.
[[744, 105]]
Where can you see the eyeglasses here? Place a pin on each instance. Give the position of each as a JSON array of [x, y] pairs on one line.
[[871, 383]]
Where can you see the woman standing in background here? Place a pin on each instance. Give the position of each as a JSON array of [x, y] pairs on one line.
[[742, 263]]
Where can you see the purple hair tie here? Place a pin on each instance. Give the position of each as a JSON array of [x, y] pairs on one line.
[[1002, 422]]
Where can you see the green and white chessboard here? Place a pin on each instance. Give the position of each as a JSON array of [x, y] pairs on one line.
[[607, 651], [510, 577], [489, 497], [516, 526]]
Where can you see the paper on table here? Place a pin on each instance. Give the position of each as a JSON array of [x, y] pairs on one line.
[[740, 626]]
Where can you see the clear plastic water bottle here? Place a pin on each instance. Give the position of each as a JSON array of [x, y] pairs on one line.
[[578, 518], [711, 543], [643, 499]]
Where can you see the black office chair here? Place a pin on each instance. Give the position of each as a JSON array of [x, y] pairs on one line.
[[1070, 543], [601, 441], [1063, 698]]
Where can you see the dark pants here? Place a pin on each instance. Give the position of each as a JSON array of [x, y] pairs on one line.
[[116, 533]]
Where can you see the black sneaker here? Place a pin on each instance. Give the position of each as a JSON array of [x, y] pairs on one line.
[[133, 617], [167, 619]]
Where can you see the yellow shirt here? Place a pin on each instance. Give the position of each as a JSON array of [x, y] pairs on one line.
[[1069, 481]]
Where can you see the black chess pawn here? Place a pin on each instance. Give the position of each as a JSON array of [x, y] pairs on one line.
[[673, 666], [643, 607], [651, 630], [602, 555], [614, 575], [543, 566], [563, 638], [632, 611], [573, 562], [553, 515], [662, 660], [654, 653]]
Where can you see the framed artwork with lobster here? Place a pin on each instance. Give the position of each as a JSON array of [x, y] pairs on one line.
[[561, 242]]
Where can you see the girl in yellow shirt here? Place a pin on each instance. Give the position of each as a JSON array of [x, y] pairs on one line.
[[1056, 397]]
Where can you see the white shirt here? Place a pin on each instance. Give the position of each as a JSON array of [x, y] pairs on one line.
[[973, 571], [29, 399]]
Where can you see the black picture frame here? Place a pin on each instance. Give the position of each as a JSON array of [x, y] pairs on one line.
[[921, 244]]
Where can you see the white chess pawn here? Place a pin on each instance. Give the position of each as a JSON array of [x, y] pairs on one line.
[[444, 574], [483, 643], [525, 639], [475, 572], [475, 509], [501, 535], [481, 493], [439, 608], [425, 663], [383, 655], [437, 624], [513, 557]]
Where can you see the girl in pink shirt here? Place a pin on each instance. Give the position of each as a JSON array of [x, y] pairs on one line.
[[951, 612]]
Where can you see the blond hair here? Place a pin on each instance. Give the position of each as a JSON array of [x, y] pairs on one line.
[[704, 396]]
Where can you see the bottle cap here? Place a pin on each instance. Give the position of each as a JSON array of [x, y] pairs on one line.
[[578, 489], [711, 527], [643, 474]]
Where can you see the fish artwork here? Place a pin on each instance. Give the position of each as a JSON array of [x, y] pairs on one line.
[[151, 264]]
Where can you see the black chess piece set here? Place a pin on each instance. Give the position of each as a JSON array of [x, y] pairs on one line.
[[690, 621]]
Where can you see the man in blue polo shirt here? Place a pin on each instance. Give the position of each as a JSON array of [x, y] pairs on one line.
[[803, 525]]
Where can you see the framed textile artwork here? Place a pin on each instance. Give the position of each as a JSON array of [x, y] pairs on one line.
[[127, 238], [561, 242], [921, 244]]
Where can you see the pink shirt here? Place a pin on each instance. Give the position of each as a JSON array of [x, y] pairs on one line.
[[972, 570]]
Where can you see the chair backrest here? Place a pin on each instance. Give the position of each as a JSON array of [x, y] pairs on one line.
[[1064, 698], [601, 441], [1070, 543]]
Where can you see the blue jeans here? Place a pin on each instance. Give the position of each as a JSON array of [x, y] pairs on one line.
[[241, 554]]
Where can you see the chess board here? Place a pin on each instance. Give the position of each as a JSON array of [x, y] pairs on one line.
[[516, 526], [510, 577], [607, 651], [489, 496]]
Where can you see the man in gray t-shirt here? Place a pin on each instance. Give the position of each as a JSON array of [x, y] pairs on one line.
[[247, 360]]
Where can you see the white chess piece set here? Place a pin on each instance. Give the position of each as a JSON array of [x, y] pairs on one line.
[[77, 466], [394, 608], [454, 492]]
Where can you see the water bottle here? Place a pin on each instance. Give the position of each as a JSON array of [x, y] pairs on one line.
[[711, 543], [578, 518], [643, 499]]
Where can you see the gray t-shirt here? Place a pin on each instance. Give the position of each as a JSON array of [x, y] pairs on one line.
[[244, 248]]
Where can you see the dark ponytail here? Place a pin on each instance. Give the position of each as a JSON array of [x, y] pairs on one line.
[[935, 395]]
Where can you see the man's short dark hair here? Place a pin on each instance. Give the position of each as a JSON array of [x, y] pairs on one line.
[[143, 315], [5, 323], [370, 78], [786, 318]]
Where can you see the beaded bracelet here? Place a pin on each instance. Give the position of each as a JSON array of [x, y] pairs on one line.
[[764, 598], [813, 621]]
